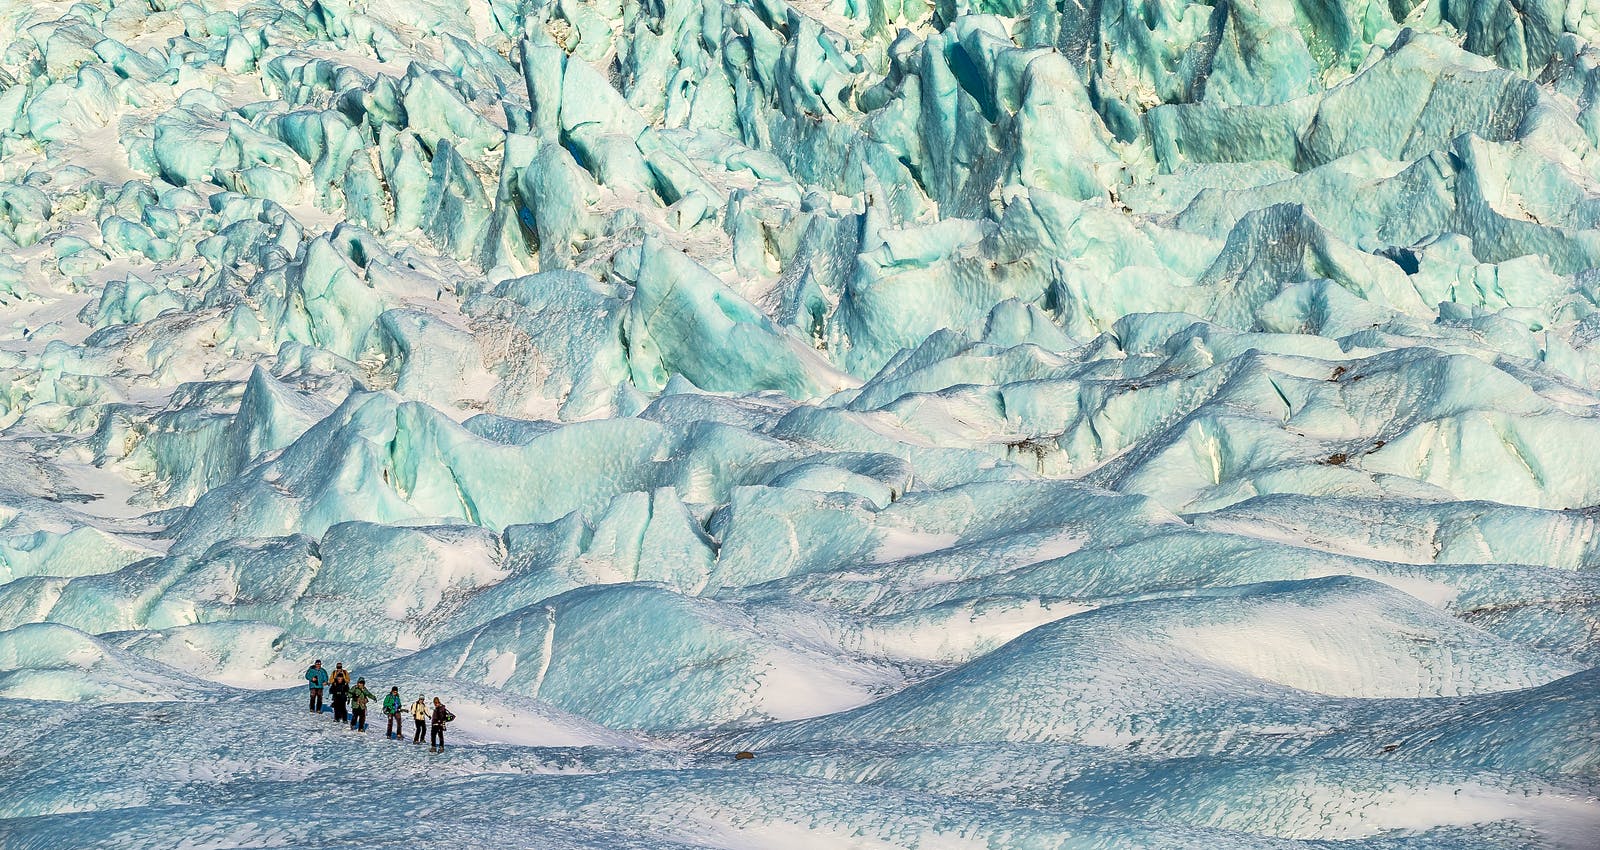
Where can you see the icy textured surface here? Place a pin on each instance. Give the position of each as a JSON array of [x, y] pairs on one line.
[[1020, 423]]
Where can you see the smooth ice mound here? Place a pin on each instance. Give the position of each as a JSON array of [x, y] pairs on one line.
[[1018, 424]]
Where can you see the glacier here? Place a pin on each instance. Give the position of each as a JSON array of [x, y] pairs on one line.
[[1006, 423]]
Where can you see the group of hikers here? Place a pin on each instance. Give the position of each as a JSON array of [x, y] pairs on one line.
[[350, 705]]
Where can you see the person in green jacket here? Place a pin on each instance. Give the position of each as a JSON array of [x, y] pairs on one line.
[[391, 709], [359, 695]]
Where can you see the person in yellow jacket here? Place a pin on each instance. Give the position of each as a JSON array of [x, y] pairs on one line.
[[419, 713]]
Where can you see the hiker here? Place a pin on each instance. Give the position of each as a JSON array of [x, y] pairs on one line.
[[339, 692], [317, 677], [391, 708], [358, 705], [419, 713], [441, 716]]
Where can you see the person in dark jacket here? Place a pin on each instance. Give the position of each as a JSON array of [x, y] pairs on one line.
[[391, 710], [339, 692], [359, 695], [316, 677], [440, 716]]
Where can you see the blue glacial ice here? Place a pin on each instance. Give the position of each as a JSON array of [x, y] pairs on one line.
[[1014, 423]]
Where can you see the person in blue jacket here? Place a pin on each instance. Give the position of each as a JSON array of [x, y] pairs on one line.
[[317, 678]]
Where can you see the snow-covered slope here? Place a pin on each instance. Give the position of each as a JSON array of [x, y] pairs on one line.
[[1018, 424]]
